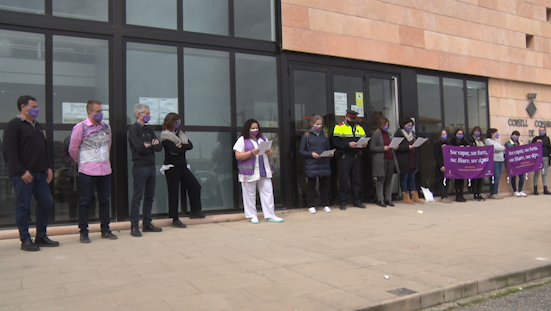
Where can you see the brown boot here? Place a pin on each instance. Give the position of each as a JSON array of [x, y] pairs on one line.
[[415, 197], [406, 198]]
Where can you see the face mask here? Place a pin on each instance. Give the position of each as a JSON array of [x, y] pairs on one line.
[[515, 138], [444, 138], [98, 116], [33, 112], [408, 128], [253, 132], [146, 118], [476, 134], [460, 136], [497, 135], [385, 128], [351, 123], [318, 128], [177, 125], [542, 133]]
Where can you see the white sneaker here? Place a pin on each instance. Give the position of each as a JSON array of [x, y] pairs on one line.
[[517, 194], [254, 220], [274, 219], [312, 210], [523, 194], [327, 209]]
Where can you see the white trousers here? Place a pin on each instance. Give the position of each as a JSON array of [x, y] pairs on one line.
[[266, 191]]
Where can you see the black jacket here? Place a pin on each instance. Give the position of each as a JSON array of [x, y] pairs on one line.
[[25, 148], [179, 158], [137, 136], [403, 153], [546, 144], [439, 158], [318, 143]]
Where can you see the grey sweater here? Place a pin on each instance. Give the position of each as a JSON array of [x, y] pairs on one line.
[[498, 149]]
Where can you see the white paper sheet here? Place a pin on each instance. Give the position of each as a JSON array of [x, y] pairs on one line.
[[429, 197], [327, 153], [265, 145], [362, 141], [395, 142], [419, 141]]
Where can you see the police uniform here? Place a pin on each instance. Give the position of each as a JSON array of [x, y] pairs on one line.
[[349, 158]]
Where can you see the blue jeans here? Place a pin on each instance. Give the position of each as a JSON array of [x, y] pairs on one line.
[[498, 170], [407, 181], [144, 186], [87, 185], [520, 182], [45, 202]]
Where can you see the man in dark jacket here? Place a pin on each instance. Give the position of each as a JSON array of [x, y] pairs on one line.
[[546, 143], [30, 170], [143, 144]]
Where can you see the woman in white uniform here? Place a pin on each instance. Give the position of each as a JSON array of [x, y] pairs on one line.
[[255, 171]]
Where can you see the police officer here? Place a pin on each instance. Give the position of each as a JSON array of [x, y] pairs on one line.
[[345, 137]]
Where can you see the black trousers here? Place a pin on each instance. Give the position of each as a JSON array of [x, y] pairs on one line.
[[443, 189], [350, 169], [476, 185], [458, 186], [179, 180], [324, 190]]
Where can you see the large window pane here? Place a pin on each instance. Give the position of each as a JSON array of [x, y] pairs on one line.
[[382, 103], [477, 99], [255, 19], [81, 73], [26, 6], [345, 90], [430, 107], [207, 16], [152, 13], [95, 10], [454, 105], [151, 78], [256, 81], [207, 87], [275, 161], [22, 69]]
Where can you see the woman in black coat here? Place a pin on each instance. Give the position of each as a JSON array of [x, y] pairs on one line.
[[313, 143], [458, 139], [408, 161], [442, 140], [477, 141]]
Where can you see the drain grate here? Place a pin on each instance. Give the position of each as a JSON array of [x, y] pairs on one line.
[[402, 291]]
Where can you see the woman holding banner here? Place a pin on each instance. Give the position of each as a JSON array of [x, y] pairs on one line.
[[515, 142], [546, 144], [440, 169], [476, 141], [458, 139], [499, 158]]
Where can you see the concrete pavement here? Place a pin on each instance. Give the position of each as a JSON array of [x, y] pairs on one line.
[[326, 261]]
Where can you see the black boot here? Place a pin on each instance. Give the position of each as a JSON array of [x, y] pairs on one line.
[[545, 191], [536, 190]]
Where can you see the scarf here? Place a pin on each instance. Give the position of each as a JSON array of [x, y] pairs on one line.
[[478, 142], [409, 136], [178, 140]]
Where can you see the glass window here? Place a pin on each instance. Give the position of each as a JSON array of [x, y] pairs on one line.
[[382, 103], [429, 104], [206, 16], [97, 10], [454, 104], [346, 88], [81, 73], [26, 6], [22, 71], [256, 83], [211, 161], [152, 79], [152, 13], [477, 100], [255, 19], [207, 87]]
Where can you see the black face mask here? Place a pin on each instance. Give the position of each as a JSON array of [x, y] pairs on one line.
[[351, 123]]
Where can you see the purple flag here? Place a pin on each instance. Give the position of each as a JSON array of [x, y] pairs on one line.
[[468, 162], [524, 159]]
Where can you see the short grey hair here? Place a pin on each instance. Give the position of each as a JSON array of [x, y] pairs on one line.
[[315, 118], [140, 108]]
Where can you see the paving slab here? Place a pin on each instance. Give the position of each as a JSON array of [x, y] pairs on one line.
[[325, 261]]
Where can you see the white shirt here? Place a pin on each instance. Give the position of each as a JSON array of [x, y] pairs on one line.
[[240, 146]]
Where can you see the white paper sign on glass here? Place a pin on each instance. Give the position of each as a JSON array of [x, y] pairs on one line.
[[341, 103], [327, 153], [358, 109], [419, 141], [362, 141], [264, 146], [73, 113], [395, 142]]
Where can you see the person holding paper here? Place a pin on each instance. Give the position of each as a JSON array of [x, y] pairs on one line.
[[312, 144], [441, 141], [476, 141], [255, 172], [458, 139], [345, 138], [515, 142], [383, 163], [492, 140], [179, 178], [408, 161], [546, 144]]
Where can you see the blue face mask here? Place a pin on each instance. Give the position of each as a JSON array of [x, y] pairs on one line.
[[542, 133], [476, 134], [385, 128], [408, 128], [497, 135], [460, 136], [444, 138], [515, 138]]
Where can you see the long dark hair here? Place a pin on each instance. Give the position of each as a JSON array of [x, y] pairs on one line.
[[247, 126], [439, 135], [490, 132], [170, 120], [476, 128]]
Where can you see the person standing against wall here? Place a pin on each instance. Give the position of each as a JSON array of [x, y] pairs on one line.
[[143, 144], [546, 156], [383, 163], [89, 147], [442, 140], [312, 144], [30, 171]]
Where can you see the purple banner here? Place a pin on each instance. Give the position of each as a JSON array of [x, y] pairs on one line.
[[468, 162], [524, 159]]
